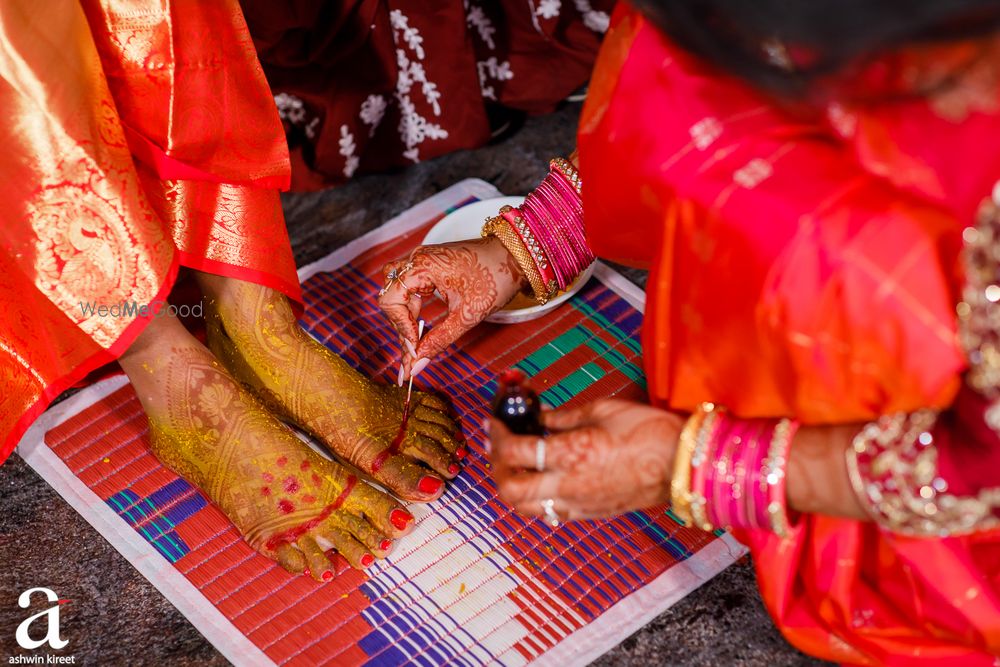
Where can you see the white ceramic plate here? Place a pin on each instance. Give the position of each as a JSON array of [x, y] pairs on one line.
[[466, 223]]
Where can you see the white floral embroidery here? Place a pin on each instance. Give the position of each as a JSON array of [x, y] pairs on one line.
[[491, 68], [414, 129], [477, 18], [347, 149], [595, 20], [290, 108], [372, 111], [548, 9]]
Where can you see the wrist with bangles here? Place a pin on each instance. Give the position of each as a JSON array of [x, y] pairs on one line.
[[730, 473], [545, 234]]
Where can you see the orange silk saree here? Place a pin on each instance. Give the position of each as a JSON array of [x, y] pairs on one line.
[[805, 263], [138, 137]]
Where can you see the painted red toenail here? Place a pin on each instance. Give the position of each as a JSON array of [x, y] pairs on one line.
[[367, 560], [430, 485], [461, 453], [327, 575], [453, 469], [400, 519], [384, 545]]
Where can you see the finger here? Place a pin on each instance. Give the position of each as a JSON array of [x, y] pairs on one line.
[[528, 487], [426, 449], [444, 334], [561, 451], [319, 565], [535, 508], [568, 418], [290, 558]]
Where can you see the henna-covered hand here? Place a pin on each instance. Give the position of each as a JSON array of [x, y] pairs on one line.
[[605, 458], [474, 278]]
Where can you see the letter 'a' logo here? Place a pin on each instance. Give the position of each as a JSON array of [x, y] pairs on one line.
[[50, 615]]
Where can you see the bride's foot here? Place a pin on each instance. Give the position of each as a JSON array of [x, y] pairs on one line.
[[253, 331], [289, 503]]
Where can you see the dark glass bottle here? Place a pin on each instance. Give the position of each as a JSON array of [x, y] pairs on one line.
[[517, 405]]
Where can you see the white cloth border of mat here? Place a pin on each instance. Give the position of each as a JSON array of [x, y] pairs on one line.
[[143, 556], [604, 633]]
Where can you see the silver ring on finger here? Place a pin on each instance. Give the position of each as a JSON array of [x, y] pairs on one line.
[[551, 517], [540, 455]]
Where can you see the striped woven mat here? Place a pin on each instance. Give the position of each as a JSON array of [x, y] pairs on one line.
[[475, 583]]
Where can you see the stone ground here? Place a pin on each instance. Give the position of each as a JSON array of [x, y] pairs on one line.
[[116, 617]]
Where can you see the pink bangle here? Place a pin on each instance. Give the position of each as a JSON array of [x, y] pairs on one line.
[[738, 473]]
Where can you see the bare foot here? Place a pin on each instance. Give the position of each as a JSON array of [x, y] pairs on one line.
[[253, 331], [290, 503]]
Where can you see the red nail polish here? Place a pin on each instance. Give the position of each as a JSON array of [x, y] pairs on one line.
[[384, 544], [430, 485], [367, 560], [517, 405], [461, 453], [400, 519], [327, 575], [453, 469]]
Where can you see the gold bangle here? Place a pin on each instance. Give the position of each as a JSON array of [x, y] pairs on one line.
[[499, 227], [566, 168], [698, 502], [680, 483]]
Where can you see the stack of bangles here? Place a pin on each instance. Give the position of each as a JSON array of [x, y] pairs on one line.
[[730, 473], [545, 233]]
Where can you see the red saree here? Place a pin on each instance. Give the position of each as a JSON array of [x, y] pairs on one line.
[[138, 139], [805, 263]]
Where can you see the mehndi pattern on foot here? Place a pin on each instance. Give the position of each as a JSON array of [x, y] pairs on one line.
[[253, 330]]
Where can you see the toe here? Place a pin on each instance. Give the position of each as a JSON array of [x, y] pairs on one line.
[[382, 510], [426, 414], [290, 558], [377, 542], [319, 565], [434, 402], [353, 551], [429, 451], [447, 439], [410, 479]]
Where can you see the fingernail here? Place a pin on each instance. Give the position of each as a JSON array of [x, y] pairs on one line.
[[399, 378], [367, 560], [430, 485], [409, 346], [327, 575], [419, 366], [461, 453], [400, 519], [384, 544], [453, 469]]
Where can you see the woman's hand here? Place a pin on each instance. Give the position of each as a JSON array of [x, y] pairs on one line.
[[474, 278], [605, 458]]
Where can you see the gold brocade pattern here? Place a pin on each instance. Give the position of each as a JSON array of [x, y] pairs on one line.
[[101, 107], [893, 468]]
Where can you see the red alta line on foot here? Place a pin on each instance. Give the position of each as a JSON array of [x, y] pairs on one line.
[[295, 533]]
